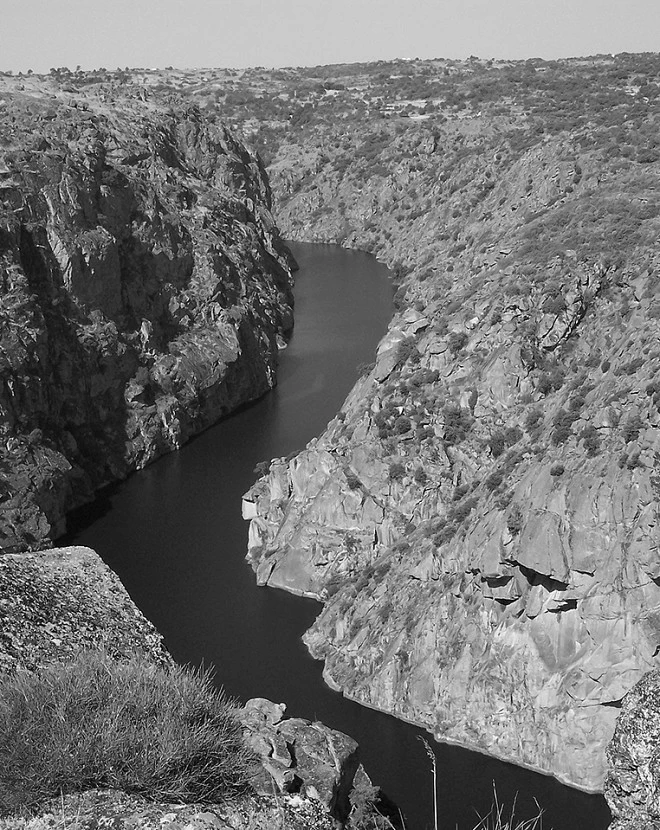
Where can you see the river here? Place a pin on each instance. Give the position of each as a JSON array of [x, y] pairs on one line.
[[174, 535]]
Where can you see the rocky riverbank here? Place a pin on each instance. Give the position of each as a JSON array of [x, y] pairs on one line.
[[145, 291]]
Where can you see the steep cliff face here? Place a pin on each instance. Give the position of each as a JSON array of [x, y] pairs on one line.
[[144, 292], [481, 519]]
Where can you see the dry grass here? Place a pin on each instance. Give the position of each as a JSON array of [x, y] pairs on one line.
[[498, 819], [164, 733]]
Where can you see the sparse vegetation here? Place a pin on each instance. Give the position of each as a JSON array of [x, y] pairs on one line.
[[165, 733]]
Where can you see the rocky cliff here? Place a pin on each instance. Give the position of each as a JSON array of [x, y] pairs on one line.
[[144, 290], [481, 518]]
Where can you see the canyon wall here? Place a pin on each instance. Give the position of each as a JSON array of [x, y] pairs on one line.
[[481, 517], [144, 291]]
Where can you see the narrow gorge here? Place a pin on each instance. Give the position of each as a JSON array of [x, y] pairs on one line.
[[479, 519]]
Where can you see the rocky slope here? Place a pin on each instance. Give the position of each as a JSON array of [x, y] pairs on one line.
[[144, 290], [481, 517]]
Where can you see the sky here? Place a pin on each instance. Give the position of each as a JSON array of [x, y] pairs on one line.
[[40, 34]]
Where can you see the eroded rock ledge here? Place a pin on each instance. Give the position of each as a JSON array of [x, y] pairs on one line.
[[144, 292]]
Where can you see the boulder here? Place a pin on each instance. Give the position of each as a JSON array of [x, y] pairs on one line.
[[301, 756]]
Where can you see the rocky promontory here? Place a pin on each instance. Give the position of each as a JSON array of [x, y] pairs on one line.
[[145, 290]]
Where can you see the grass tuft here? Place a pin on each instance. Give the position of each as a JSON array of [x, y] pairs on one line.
[[496, 819], [164, 733]]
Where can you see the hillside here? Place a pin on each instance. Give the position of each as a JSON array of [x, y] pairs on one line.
[[480, 518]]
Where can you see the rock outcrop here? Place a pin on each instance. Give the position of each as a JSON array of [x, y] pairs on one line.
[[632, 786], [299, 756], [481, 519], [112, 808], [144, 292], [56, 603]]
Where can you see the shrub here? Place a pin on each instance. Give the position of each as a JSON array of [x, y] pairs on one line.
[[457, 423], [550, 381], [444, 535], [397, 471], [591, 440], [163, 732], [562, 423], [457, 341], [420, 476], [494, 480], [631, 428], [460, 491], [463, 510], [534, 416], [515, 520], [406, 350], [501, 440], [497, 443], [402, 424], [557, 470], [261, 468]]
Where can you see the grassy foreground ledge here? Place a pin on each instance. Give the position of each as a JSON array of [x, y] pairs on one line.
[[162, 732]]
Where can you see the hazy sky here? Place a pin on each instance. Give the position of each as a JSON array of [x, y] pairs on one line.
[[39, 34]]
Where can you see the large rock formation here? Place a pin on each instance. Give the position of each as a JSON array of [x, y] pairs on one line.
[[56, 603], [299, 756], [144, 291], [481, 519]]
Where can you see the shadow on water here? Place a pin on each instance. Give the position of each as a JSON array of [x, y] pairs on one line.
[[174, 534]]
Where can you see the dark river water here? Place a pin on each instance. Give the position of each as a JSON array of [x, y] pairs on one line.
[[174, 534]]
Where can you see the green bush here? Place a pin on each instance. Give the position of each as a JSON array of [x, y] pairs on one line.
[[457, 341], [562, 425], [163, 732], [420, 476], [457, 423]]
